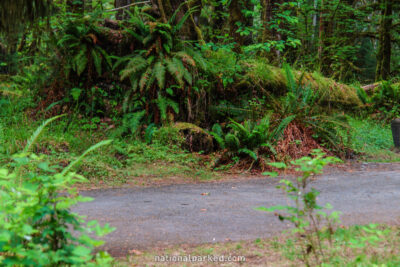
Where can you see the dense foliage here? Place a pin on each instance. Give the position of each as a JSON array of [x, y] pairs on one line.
[[36, 220], [185, 87]]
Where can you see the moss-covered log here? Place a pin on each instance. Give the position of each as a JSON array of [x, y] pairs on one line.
[[273, 79]]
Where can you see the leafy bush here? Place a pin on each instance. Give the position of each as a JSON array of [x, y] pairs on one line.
[[301, 102], [36, 222], [306, 215], [384, 103], [163, 70], [80, 49], [316, 239], [247, 139]]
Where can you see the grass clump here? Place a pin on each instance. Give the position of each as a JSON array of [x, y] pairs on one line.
[[372, 139]]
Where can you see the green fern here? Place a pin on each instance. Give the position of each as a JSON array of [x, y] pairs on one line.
[[92, 148], [78, 44], [134, 67], [246, 139], [165, 64], [249, 153], [163, 103], [159, 72], [278, 131], [32, 140], [218, 134], [232, 142], [363, 96]]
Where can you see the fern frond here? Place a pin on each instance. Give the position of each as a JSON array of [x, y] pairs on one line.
[[182, 21], [248, 152], [362, 95], [186, 58], [92, 148], [238, 127], [80, 61], [278, 131], [150, 82], [144, 79], [96, 57], [134, 66], [36, 134], [232, 142], [174, 69], [105, 55], [201, 62], [163, 103], [159, 72], [291, 82], [132, 121]]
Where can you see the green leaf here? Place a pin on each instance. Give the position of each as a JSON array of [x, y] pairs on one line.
[[97, 61], [271, 174], [80, 61], [45, 167], [279, 165], [81, 251]]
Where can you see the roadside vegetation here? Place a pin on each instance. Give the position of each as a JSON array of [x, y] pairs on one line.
[[316, 238], [187, 91]]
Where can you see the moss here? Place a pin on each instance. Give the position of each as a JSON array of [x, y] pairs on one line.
[[196, 139], [265, 76]]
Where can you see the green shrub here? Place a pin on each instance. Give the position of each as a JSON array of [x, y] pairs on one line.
[[163, 71], [36, 221], [317, 239], [305, 214], [247, 139], [301, 102]]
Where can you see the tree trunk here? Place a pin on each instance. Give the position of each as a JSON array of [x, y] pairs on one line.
[[236, 16], [321, 35], [385, 42], [121, 14], [266, 17]]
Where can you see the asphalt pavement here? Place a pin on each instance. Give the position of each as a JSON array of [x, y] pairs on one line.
[[224, 211]]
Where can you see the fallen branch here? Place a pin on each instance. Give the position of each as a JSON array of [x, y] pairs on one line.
[[370, 87], [122, 7]]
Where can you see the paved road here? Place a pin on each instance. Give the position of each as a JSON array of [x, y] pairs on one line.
[[214, 212]]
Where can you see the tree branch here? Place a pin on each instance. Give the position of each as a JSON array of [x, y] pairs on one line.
[[122, 7]]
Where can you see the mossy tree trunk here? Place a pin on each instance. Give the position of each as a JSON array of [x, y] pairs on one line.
[[266, 17], [236, 17], [385, 41]]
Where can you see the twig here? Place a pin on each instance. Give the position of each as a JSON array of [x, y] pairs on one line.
[[122, 7]]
